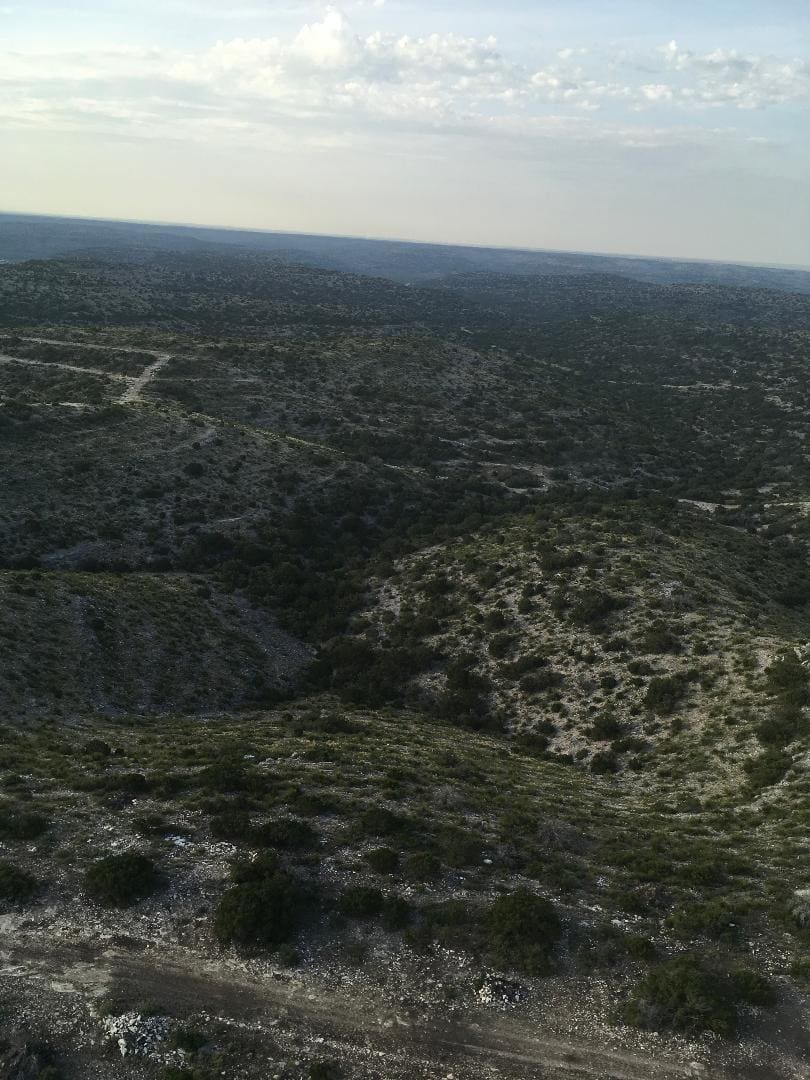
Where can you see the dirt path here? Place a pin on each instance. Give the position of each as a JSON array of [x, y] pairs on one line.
[[185, 983], [92, 345], [137, 385], [6, 359], [134, 384]]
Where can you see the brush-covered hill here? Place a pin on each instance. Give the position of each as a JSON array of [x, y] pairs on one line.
[[77, 644], [636, 638]]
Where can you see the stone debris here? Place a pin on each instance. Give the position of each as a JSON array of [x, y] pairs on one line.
[[495, 990], [135, 1034]]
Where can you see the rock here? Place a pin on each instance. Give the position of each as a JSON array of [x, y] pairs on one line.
[[136, 1034], [495, 990]]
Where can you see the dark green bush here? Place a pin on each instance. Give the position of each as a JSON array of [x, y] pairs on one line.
[[289, 834], [593, 606], [422, 866], [396, 913], [232, 825], [605, 727], [684, 994], [521, 932], [264, 907], [767, 769], [665, 692], [361, 902], [187, 1039], [121, 880], [383, 860], [659, 639], [19, 824], [325, 1070], [752, 987], [16, 885], [604, 762]]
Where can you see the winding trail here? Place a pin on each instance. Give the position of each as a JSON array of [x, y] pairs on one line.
[[285, 1005]]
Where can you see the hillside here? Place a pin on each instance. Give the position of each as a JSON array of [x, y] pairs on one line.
[[609, 637], [401, 681], [73, 643]]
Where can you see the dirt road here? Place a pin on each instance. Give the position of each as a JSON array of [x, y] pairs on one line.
[[184, 983]]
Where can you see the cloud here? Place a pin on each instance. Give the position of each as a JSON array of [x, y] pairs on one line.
[[725, 77], [333, 83]]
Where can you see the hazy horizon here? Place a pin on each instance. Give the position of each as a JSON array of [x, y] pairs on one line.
[[218, 226], [655, 129]]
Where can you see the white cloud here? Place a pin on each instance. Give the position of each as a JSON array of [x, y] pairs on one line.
[[725, 77], [334, 83]]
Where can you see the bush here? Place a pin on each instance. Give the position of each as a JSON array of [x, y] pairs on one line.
[[121, 880], [522, 931], [685, 995], [783, 725], [422, 866], [752, 987], [396, 913], [232, 825], [383, 860], [361, 902], [605, 727], [265, 907], [290, 834], [17, 824], [15, 885], [223, 777], [659, 639], [767, 769], [665, 692], [593, 606], [604, 762], [324, 1070]]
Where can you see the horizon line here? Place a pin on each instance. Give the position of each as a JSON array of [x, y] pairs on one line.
[[801, 267]]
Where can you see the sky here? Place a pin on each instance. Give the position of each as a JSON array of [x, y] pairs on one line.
[[638, 126]]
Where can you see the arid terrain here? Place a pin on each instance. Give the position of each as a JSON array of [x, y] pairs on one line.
[[401, 679]]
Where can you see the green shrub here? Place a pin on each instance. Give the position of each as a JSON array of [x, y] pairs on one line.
[[223, 777], [422, 866], [665, 692], [593, 606], [787, 677], [232, 825], [325, 1070], [604, 762], [659, 639], [383, 860], [685, 995], [289, 834], [361, 902], [16, 885], [605, 727], [767, 769], [121, 880], [752, 987], [19, 824], [785, 724], [714, 918], [396, 913], [521, 932], [264, 908]]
